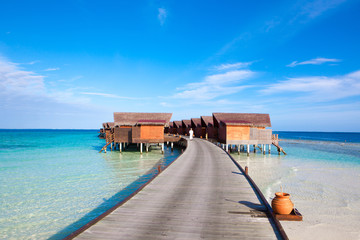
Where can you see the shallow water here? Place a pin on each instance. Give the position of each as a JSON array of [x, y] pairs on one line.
[[53, 182], [323, 179]]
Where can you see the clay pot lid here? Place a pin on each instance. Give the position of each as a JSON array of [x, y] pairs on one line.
[[282, 195]]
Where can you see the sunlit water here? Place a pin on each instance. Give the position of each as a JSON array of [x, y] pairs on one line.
[[323, 178], [53, 182]]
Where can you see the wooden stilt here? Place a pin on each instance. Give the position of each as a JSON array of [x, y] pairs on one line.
[[254, 148], [264, 149], [120, 147], [141, 145], [269, 148], [147, 147], [162, 148], [248, 150], [172, 146], [227, 147], [239, 149]]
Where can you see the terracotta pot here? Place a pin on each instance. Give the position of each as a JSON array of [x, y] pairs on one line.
[[282, 204]]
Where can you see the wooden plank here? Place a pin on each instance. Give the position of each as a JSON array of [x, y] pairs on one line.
[[295, 215], [201, 195]]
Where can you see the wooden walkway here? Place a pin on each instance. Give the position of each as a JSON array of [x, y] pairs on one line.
[[202, 195]]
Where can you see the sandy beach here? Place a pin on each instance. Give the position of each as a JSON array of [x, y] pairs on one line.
[[324, 186]]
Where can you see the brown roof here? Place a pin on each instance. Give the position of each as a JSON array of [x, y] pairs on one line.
[[196, 122], [207, 121], [252, 119], [186, 123], [136, 118], [109, 124], [177, 124]]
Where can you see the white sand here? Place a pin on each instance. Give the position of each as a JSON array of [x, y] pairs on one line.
[[327, 193]]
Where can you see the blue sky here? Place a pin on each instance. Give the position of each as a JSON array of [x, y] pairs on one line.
[[71, 64]]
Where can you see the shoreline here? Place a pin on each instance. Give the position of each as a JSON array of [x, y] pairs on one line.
[[323, 179]]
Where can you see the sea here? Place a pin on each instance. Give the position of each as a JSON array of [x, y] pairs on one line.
[[52, 182], [321, 172]]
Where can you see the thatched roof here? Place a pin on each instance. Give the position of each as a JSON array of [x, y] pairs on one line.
[[196, 122], [207, 121], [248, 119], [186, 123], [109, 124], [135, 118], [177, 124]]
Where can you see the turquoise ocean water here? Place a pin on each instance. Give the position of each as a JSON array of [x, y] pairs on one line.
[[54, 181], [321, 171]]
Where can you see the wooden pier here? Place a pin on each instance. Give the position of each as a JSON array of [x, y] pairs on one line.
[[202, 195]]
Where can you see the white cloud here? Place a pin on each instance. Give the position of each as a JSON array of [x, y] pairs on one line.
[[162, 15], [319, 88], [229, 66], [315, 61], [315, 8], [108, 95], [215, 85], [14, 80], [52, 69]]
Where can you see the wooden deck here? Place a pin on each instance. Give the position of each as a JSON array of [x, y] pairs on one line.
[[202, 195]]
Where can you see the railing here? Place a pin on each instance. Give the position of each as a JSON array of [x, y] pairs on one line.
[[275, 137]]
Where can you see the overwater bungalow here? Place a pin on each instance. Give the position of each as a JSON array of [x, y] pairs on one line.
[[172, 129], [243, 129], [141, 128], [199, 131], [207, 122], [109, 131], [186, 125], [178, 129]]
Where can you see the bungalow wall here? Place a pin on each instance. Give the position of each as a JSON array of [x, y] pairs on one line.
[[234, 134], [123, 134], [237, 133], [180, 131], [198, 132], [186, 131], [148, 134], [108, 135], [212, 132]]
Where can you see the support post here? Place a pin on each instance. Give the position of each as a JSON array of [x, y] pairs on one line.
[[162, 148], [254, 148], [264, 149], [269, 148], [147, 147], [120, 147], [227, 147], [248, 150], [141, 148], [111, 146], [172, 146], [246, 170], [239, 149]]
